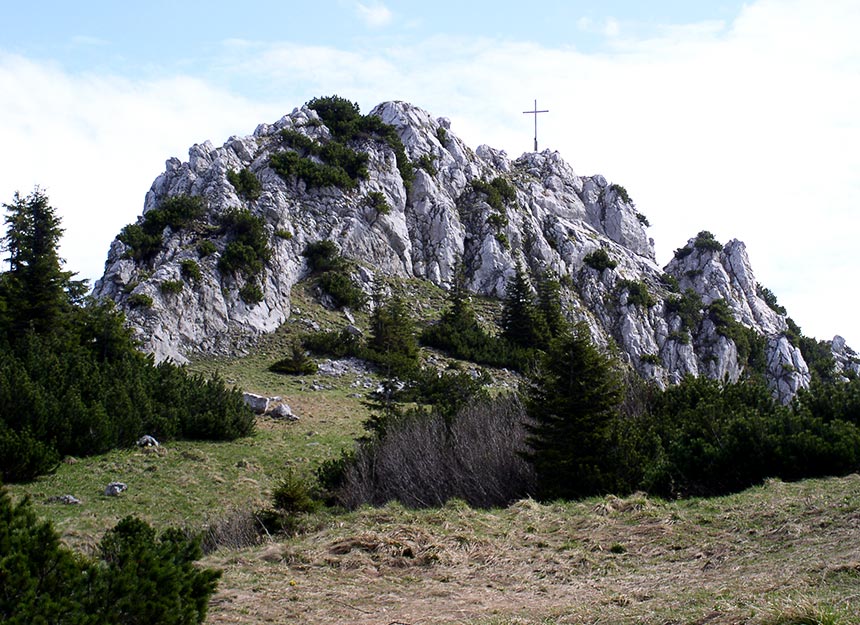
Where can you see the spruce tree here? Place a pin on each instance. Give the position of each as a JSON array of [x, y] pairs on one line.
[[573, 399], [392, 340], [549, 304], [36, 288], [522, 324]]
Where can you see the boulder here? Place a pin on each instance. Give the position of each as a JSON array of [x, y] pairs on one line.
[[282, 411], [114, 489], [258, 403]]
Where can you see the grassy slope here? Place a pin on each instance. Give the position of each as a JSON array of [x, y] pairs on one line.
[[751, 558], [757, 557]]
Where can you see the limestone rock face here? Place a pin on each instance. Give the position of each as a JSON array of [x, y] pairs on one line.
[[554, 220]]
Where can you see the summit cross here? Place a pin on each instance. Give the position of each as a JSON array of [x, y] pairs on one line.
[[535, 113]]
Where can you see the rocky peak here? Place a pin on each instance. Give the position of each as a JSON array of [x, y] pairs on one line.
[[479, 206]]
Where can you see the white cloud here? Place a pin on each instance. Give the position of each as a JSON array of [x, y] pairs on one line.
[[611, 28], [374, 15], [746, 129], [95, 144]]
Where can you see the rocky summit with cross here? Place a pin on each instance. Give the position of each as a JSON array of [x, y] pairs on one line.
[[415, 205]]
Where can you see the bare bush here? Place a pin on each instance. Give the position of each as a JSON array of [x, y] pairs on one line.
[[236, 529], [425, 459]]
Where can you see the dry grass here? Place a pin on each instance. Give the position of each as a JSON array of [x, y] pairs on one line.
[[775, 555]]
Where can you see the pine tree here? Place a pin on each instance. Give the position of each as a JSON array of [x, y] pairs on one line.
[[36, 290], [549, 304], [573, 399], [460, 313], [522, 324], [392, 340]]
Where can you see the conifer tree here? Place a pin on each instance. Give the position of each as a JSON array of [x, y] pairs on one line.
[[36, 289], [549, 304], [573, 399], [392, 334], [522, 324]]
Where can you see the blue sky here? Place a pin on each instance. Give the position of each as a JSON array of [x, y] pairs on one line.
[[742, 118]]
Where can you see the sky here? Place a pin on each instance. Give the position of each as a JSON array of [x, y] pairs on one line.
[[740, 118]]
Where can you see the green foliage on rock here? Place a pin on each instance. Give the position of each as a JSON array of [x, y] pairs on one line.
[[499, 192], [247, 249], [341, 166], [333, 274], [705, 241], [171, 287], [599, 260], [427, 162], [176, 212], [206, 248], [688, 307], [637, 293], [139, 300], [621, 192], [376, 200], [246, 183], [770, 299], [251, 293], [190, 270]]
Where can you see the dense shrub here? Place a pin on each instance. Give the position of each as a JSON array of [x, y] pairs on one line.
[[190, 270], [621, 192], [175, 212], [376, 200], [297, 363], [247, 249], [206, 248], [335, 344], [334, 279], [251, 293], [246, 183], [137, 577], [637, 293], [323, 256], [140, 300], [343, 118], [599, 259], [86, 398], [705, 241], [716, 438], [171, 287], [342, 289]]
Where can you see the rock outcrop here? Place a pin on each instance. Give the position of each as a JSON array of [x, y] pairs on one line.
[[668, 323]]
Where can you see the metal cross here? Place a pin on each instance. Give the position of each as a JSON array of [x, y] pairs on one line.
[[535, 113]]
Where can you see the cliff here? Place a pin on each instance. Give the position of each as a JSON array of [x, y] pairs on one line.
[[702, 315]]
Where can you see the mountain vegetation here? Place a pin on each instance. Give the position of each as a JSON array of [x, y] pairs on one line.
[[72, 381], [557, 365]]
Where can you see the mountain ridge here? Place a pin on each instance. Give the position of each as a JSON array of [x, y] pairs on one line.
[[477, 206]]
